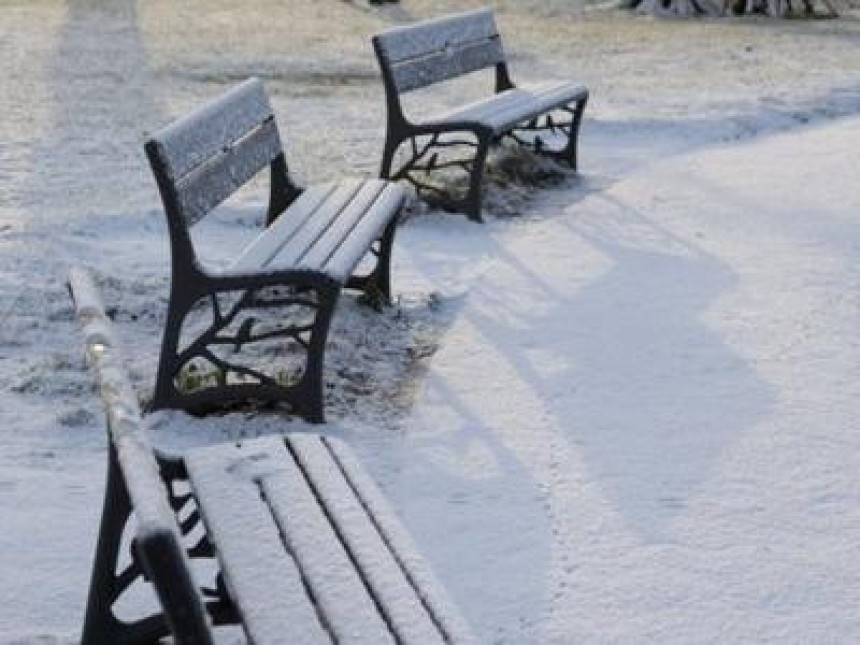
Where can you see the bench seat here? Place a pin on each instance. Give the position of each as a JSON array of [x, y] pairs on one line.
[[301, 531], [502, 111], [328, 229]]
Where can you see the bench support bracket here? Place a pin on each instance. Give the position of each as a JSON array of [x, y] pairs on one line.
[[202, 374], [533, 134], [101, 625], [426, 144], [376, 284], [107, 585], [423, 158]]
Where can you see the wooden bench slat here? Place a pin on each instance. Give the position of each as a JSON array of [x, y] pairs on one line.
[[340, 230], [406, 614], [504, 110], [338, 251], [323, 217], [483, 108], [194, 138], [262, 579], [433, 595], [324, 230], [447, 63], [225, 172], [402, 43], [267, 244], [342, 262], [542, 99], [344, 602]]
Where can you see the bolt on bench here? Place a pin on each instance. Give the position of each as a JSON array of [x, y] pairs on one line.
[[429, 52], [306, 549], [308, 251]]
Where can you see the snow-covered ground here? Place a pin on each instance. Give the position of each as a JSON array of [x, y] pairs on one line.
[[623, 410]]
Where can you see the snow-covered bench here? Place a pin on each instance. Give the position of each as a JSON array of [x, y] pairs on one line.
[[425, 53], [304, 547], [311, 244]]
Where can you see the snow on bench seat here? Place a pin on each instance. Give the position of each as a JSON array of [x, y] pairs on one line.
[[263, 581], [298, 528], [504, 110], [327, 229]]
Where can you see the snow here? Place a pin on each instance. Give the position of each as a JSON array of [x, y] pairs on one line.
[[620, 411], [264, 583], [661, 377]]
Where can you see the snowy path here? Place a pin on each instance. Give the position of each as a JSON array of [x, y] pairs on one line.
[[642, 424]]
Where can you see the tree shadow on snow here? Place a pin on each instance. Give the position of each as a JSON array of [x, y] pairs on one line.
[[86, 161], [625, 360], [479, 514], [660, 396]]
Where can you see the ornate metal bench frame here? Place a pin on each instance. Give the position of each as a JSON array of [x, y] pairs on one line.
[[198, 162]]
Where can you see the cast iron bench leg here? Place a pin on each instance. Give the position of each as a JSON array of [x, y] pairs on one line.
[[392, 143], [571, 151], [306, 395], [569, 154], [376, 285], [101, 626], [180, 304], [309, 394], [471, 203]]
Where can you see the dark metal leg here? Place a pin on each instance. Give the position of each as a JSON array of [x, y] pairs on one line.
[[425, 147], [310, 392], [224, 382], [214, 380], [382, 273], [388, 153], [569, 153], [473, 199], [376, 285], [165, 388], [101, 626]]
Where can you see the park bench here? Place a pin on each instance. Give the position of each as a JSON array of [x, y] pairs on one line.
[[296, 543], [308, 251], [432, 51]]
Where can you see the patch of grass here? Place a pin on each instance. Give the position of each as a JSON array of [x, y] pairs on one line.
[[193, 378]]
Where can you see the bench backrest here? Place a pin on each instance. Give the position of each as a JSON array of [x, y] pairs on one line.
[[158, 540], [204, 157], [436, 50]]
